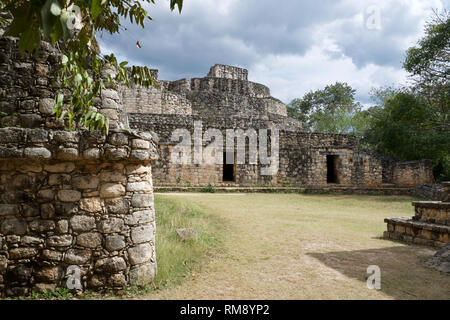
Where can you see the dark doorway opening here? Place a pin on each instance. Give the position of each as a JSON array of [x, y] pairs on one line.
[[332, 169], [228, 170]]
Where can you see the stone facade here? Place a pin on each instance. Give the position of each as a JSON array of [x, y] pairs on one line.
[[225, 99], [70, 201], [429, 226]]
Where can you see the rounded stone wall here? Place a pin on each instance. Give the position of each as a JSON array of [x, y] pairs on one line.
[[76, 209]]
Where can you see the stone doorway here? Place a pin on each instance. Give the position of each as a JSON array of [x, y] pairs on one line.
[[229, 172], [332, 169]]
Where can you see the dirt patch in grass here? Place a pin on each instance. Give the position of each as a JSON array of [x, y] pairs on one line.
[[290, 246]]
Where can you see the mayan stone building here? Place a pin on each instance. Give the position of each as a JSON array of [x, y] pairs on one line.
[[77, 208], [225, 100]]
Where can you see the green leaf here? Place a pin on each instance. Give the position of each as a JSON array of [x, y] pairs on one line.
[[96, 8], [20, 22], [30, 40], [64, 18], [55, 8], [64, 60], [47, 18]]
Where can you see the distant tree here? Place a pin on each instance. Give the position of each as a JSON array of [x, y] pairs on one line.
[[81, 63], [403, 125], [329, 110], [429, 65]]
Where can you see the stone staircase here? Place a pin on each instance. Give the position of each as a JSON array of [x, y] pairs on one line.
[[429, 226]]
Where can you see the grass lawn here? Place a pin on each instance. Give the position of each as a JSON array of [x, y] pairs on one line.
[[288, 246]]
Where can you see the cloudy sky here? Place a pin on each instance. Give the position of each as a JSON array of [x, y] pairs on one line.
[[291, 46]]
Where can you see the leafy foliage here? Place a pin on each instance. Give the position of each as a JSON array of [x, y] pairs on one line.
[[72, 25], [430, 59], [403, 125], [329, 110]]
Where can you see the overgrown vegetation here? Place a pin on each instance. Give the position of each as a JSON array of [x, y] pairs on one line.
[[72, 26], [178, 259], [408, 123]]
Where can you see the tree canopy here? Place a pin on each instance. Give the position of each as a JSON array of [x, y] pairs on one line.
[[81, 64], [329, 110]]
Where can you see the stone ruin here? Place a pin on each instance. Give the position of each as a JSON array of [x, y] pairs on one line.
[[225, 99], [429, 226], [75, 204]]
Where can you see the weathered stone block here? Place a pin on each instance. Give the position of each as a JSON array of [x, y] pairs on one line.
[[47, 211], [139, 186], [140, 144], [46, 106], [118, 139], [140, 254], [31, 241], [112, 176], [143, 274], [110, 265], [62, 226], [22, 253], [112, 190], [139, 217], [117, 206], [77, 256], [42, 225], [9, 209], [142, 200], [85, 182], [142, 234], [60, 167], [48, 274], [67, 154], [112, 225], [60, 241], [90, 240], [69, 195], [117, 280], [82, 223], [14, 226], [44, 287], [91, 205], [51, 255], [46, 195], [37, 153], [115, 243]]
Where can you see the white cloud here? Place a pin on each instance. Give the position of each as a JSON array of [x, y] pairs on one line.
[[290, 46]]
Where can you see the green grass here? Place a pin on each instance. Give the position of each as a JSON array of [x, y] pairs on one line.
[[294, 246], [177, 259]]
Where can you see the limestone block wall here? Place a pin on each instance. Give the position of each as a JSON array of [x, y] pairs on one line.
[[302, 156], [96, 216], [412, 173], [228, 72], [70, 201]]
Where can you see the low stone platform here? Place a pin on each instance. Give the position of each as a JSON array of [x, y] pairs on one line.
[[417, 232], [429, 226], [336, 189]]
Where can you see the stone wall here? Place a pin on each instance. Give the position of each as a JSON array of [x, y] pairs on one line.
[[413, 173], [228, 72], [225, 90], [303, 156], [69, 198], [434, 192], [429, 226]]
